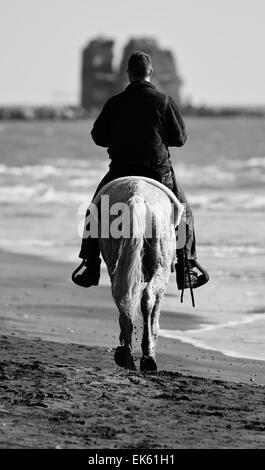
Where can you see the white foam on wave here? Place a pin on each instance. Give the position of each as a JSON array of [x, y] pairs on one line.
[[80, 174], [61, 183], [201, 339], [232, 251], [60, 167], [78, 163], [84, 181], [35, 171], [208, 175], [253, 162], [225, 173], [28, 242], [41, 194], [81, 189], [229, 201]]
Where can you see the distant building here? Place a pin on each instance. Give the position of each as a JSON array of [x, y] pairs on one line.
[[99, 80], [97, 77]]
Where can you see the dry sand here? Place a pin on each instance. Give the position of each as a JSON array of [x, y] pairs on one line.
[[61, 388]]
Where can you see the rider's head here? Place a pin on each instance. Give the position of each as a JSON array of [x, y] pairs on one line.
[[140, 66]]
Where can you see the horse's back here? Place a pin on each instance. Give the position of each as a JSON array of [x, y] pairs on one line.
[[123, 191], [147, 214]]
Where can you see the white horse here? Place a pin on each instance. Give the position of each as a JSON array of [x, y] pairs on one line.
[[145, 255]]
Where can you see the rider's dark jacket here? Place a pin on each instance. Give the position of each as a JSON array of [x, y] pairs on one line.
[[137, 126]]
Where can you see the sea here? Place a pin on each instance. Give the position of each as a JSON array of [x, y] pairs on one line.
[[49, 171]]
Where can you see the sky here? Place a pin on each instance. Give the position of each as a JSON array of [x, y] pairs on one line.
[[218, 45]]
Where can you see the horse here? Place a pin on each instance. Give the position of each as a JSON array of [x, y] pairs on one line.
[[140, 261]]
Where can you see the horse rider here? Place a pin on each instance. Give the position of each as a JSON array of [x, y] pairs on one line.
[[137, 126]]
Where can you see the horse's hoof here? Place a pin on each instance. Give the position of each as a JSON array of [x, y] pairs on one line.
[[124, 358], [119, 356], [148, 363], [130, 364]]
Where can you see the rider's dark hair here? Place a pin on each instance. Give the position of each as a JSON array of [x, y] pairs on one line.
[[139, 64]]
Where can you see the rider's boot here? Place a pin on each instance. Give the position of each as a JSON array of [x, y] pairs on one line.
[[87, 273]]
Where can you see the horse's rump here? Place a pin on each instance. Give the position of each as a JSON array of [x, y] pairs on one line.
[[150, 237]]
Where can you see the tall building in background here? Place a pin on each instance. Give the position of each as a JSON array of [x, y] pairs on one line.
[[97, 77], [99, 80]]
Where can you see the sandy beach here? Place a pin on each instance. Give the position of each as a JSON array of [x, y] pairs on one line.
[[61, 388]]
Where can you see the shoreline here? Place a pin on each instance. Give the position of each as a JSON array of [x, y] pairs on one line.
[[38, 300]]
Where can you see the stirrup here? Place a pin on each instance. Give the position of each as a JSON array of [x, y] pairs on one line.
[[89, 279], [202, 279], [195, 264], [186, 266], [190, 283], [77, 271]]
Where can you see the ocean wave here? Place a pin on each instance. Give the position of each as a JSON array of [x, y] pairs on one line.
[[86, 182], [202, 175], [225, 174], [232, 251], [73, 169], [238, 275], [35, 171], [82, 189], [41, 194], [253, 162], [67, 180], [205, 338], [230, 201], [28, 242], [87, 173]]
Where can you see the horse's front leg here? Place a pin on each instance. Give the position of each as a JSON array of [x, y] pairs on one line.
[[151, 304]]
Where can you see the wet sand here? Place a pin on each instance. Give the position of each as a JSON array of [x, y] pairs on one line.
[[61, 388]]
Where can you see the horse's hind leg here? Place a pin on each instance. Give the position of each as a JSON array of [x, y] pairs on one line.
[[151, 303], [148, 361], [123, 354]]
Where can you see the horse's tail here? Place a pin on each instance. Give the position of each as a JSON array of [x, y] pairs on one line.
[[126, 279]]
